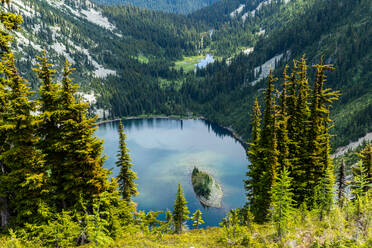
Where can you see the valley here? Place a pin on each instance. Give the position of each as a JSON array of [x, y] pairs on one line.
[[107, 105]]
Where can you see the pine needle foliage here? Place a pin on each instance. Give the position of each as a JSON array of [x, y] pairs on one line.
[[294, 135], [197, 219], [126, 175], [282, 202], [180, 212]]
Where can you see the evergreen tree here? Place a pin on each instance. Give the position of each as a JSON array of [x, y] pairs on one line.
[[126, 176], [81, 174], [197, 218], [269, 153], [252, 184], [282, 201], [358, 184], [323, 193], [320, 163], [10, 22], [341, 184], [168, 216], [23, 175], [50, 109], [180, 212], [282, 126], [24, 182], [366, 156]]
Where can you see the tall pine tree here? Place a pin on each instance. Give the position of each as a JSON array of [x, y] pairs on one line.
[[255, 168], [180, 212], [81, 175], [127, 175], [23, 174], [269, 152]]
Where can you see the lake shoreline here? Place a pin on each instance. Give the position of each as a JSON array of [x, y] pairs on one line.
[[178, 117]]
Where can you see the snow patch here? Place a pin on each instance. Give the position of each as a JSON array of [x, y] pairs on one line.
[[266, 67], [237, 11]]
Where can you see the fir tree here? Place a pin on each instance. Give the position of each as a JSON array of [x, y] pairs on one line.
[[252, 184], [320, 163], [323, 193], [10, 22], [50, 109], [81, 174], [282, 201], [366, 157], [23, 175], [358, 184], [180, 212], [197, 218], [282, 126], [126, 176], [26, 176], [341, 184], [269, 153]]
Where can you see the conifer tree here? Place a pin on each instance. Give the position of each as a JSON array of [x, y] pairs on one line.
[[126, 176], [358, 184], [366, 156], [10, 22], [255, 168], [282, 201], [341, 184], [323, 193], [269, 152], [197, 218], [22, 175], [81, 175], [180, 212], [282, 126], [49, 108], [168, 216], [25, 179], [320, 163]]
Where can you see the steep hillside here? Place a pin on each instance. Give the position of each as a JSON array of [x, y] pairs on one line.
[[118, 53], [281, 31], [173, 6]]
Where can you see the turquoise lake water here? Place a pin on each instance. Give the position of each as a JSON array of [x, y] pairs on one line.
[[164, 152]]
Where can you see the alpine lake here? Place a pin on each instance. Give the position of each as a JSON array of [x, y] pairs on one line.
[[164, 152]]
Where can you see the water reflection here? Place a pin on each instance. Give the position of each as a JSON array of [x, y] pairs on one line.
[[164, 152]]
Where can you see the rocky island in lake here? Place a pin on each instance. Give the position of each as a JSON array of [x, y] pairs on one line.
[[206, 188]]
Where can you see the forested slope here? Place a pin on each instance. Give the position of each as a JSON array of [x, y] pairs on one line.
[[339, 31], [174, 6]]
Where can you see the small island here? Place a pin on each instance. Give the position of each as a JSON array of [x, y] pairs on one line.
[[206, 188]]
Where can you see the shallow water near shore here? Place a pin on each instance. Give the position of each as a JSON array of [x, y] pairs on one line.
[[164, 152]]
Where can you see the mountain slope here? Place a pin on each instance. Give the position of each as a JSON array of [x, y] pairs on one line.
[[118, 53], [340, 31], [173, 6]]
